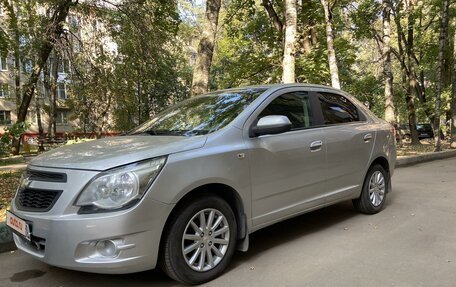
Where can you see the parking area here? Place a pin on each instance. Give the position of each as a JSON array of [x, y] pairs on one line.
[[411, 243]]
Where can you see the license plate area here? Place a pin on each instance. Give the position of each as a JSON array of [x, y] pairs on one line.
[[18, 225]]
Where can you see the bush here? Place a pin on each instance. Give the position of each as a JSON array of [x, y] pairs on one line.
[[12, 133]]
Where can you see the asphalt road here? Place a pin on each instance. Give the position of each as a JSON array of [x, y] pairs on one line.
[[410, 243]]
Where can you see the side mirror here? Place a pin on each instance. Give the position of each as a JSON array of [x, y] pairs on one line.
[[271, 125]]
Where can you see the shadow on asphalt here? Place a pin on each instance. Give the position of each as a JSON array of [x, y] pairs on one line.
[[294, 228]]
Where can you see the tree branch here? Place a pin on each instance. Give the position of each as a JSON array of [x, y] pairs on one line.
[[267, 4]]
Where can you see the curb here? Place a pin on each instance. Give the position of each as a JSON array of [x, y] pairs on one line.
[[415, 159], [13, 167], [6, 239]]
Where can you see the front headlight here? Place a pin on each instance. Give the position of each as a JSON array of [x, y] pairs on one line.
[[118, 187]]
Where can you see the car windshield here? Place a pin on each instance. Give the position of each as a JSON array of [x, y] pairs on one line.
[[200, 115]]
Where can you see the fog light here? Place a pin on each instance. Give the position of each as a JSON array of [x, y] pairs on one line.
[[107, 248]]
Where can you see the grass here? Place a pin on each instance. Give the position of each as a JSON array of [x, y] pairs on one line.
[[426, 146], [9, 182]]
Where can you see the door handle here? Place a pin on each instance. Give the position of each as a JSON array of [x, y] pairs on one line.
[[316, 145], [367, 138]]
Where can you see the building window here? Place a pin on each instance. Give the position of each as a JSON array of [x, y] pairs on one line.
[[74, 21], [27, 66], [64, 66], [61, 117], [76, 45], [95, 25], [24, 41], [4, 90], [5, 117], [3, 65], [61, 91]]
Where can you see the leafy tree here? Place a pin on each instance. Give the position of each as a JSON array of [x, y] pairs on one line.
[[49, 33]]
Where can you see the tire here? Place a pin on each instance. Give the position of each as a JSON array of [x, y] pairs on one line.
[[377, 179], [178, 265]]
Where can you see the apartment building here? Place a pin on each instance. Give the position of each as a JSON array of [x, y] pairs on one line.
[[66, 123]]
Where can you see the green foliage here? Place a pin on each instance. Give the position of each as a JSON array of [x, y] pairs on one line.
[[155, 43], [10, 134], [150, 73], [365, 17], [145, 71], [313, 68], [249, 50]]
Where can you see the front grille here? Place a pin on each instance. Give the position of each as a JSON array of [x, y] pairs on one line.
[[31, 199], [46, 176]]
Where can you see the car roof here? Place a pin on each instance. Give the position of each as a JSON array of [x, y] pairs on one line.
[[280, 86]]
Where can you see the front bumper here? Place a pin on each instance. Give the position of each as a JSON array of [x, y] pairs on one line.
[[63, 238], [70, 241]]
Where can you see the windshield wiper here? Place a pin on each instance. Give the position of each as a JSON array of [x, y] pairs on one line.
[[159, 133], [171, 132]]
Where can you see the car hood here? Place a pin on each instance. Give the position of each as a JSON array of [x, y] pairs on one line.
[[110, 152]]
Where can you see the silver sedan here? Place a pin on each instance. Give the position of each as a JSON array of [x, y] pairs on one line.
[[186, 188]]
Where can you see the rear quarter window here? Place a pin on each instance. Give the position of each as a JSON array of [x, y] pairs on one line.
[[337, 109]]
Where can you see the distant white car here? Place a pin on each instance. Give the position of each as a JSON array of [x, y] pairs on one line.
[[188, 187]]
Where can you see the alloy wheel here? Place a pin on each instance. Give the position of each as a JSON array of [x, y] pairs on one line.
[[377, 188], [205, 240]]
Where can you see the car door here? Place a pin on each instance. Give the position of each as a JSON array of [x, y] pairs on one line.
[[287, 169], [349, 141]]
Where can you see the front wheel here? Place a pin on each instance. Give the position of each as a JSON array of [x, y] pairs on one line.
[[200, 241], [373, 194]]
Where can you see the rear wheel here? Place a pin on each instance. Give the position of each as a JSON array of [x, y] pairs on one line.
[[373, 194], [200, 241]]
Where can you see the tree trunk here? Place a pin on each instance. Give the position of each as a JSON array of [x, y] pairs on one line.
[[419, 85], [453, 98], [411, 115], [138, 93], [308, 32], [17, 79], [53, 103], [39, 122], [411, 90], [47, 93], [53, 33], [313, 32], [440, 72], [288, 64], [333, 69], [387, 70], [206, 46], [272, 14]]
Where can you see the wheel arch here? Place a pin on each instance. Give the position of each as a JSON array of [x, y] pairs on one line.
[[384, 163], [381, 160], [224, 191]]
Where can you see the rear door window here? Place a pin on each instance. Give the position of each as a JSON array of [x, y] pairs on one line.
[[296, 106], [337, 109]]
